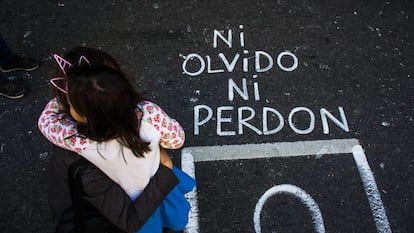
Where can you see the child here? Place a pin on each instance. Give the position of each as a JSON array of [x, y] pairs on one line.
[[82, 198], [117, 131]]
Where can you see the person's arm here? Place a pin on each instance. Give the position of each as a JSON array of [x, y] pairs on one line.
[[115, 204], [172, 133], [59, 128], [165, 159]]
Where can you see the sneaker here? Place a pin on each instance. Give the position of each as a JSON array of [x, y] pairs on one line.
[[12, 89], [16, 63]]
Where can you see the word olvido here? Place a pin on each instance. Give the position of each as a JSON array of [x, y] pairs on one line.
[[195, 64]]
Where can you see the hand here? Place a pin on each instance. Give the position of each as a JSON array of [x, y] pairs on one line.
[[165, 159]]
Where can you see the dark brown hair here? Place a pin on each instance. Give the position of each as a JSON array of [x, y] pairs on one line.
[[94, 56], [105, 96]]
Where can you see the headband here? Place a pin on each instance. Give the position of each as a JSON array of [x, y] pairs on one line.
[[64, 64]]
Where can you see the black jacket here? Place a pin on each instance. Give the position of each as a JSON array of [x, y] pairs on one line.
[[99, 204]]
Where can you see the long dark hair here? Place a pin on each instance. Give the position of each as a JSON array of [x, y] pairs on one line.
[[108, 100], [94, 56]]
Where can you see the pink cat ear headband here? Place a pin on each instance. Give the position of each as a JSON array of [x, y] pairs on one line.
[[64, 65]]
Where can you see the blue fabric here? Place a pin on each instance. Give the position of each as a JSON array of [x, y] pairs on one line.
[[173, 212]]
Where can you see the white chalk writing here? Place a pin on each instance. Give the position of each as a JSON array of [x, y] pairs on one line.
[[224, 116], [195, 64]]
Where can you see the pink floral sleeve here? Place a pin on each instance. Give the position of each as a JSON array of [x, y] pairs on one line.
[[59, 128], [172, 133]]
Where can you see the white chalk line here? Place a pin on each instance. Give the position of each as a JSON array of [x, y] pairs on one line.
[[187, 165], [266, 150], [190, 155], [297, 192], [371, 190]]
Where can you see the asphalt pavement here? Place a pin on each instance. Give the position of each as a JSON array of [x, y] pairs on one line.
[[312, 101]]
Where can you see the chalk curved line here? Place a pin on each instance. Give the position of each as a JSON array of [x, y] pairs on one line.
[[304, 197]]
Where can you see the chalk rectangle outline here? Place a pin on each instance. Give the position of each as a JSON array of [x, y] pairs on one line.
[[190, 155]]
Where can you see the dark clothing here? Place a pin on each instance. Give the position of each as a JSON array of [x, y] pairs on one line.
[[97, 199], [5, 51], [58, 184]]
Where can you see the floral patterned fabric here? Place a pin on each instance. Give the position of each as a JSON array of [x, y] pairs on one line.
[[60, 129], [156, 128]]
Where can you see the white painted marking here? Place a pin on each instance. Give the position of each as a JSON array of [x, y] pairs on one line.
[[233, 86], [227, 41], [221, 119], [197, 122], [266, 130], [293, 56], [266, 150], [187, 165], [190, 155], [241, 36], [258, 67], [243, 92], [256, 91], [371, 190], [244, 121], [325, 114], [311, 121], [297, 192], [229, 66], [191, 57], [209, 70]]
